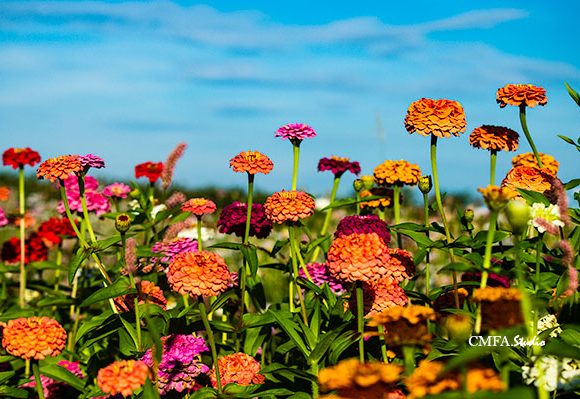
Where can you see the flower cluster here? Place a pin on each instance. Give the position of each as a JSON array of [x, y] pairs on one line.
[[54, 230], [405, 324], [379, 295], [35, 250]]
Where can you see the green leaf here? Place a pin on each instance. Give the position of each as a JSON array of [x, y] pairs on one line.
[[101, 245], [567, 139], [150, 391], [562, 349], [291, 329], [227, 245], [532, 196], [419, 238], [59, 373], [324, 345], [250, 255], [76, 263], [6, 375], [573, 93], [572, 184], [10, 392], [118, 288], [221, 300], [460, 267]]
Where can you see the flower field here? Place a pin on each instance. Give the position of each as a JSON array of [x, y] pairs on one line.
[[135, 289]]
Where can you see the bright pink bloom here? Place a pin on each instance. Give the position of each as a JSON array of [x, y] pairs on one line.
[[96, 201], [295, 131], [117, 190], [3, 218]]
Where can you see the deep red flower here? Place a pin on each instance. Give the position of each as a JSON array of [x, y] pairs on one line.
[[34, 250], [18, 157], [338, 166], [150, 170], [54, 230]]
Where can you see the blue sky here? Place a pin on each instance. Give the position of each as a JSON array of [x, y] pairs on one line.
[[129, 80]]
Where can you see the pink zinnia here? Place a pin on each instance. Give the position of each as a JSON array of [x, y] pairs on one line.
[[117, 190], [320, 275], [3, 218], [169, 249], [96, 201], [55, 389], [91, 161], [295, 131]]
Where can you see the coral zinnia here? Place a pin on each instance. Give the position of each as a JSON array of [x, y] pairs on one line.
[[4, 193], [338, 166], [358, 257], [199, 273], [59, 168], [289, 206], [147, 293], [33, 337], [295, 132], [117, 190], [232, 220], [238, 368], [150, 170], [397, 173], [380, 203], [405, 324], [441, 118], [356, 224], [521, 94], [494, 138], [18, 157], [549, 163], [401, 264], [123, 377], [199, 206], [252, 162], [527, 178], [379, 295]]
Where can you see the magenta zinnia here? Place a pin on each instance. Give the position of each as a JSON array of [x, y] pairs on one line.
[[232, 220], [338, 166], [295, 131], [356, 224]]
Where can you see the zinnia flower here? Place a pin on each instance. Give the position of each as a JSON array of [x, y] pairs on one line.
[[170, 248], [496, 197], [33, 337], [54, 230], [232, 220], [494, 138], [446, 300], [238, 368], [123, 377], [441, 118], [4, 193], [199, 273], [549, 163], [91, 161], [401, 264], [527, 178], [358, 257], [59, 168], [379, 295], [405, 324], [338, 166], [150, 170], [320, 275], [180, 364], [428, 379], [18, 157], [289, 206], [252, 162], [521, 94], [500, 307], [397, 173], [545, 217], [3, 218], [385, 201], [96, 201], [295, 132], [357, 224], [35, 250], [147, 293], [56, 389], [199, 206], [117, 190]]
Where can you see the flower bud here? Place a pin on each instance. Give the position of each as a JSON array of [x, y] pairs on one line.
[[368, 181], [468, 215], [357, 184], [518, 215], [458, 327], [425, 184], [122, 222], [496, 197]]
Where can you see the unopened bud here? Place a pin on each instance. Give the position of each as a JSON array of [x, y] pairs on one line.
[[357, 184], [458, 326], [468, 216], [122, 223], [518, 215], [368, 181], [425, 184]]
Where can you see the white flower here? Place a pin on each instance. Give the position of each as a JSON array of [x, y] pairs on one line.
[[550, 213], [548, 322], [206, 233], [552, 373], [321, 203], [156, 209]]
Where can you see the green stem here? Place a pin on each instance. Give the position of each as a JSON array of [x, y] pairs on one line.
[[36, 372], [409, 358], [397, 210], [521, 276], [204, 319], [294, 242], [427, 255], [537, 285], [314, 371], [360, 318], [357, 196], [27, 368], [327, 217], [137, 314], [528, 135], [294, 259], [492, 163], [198, 227], [486, 262], [249, 212], [296, 153], [58, 265], [69, 216], [22, 210], [381, 330], [81, 180]]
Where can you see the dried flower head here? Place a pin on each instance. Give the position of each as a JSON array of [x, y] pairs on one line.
[[150, 170], [521, 94], [549, 163], [397, 173], [18, 157], [238, 368], [251, 162], [199, 206], [441, 118], [295, 132], [527, 178], [123, 377], [496, 197], [289, 206], [405, 324], [59, 168], [232, 220], [199, 273], [338, 166], [357, 224], [494, 138], [358, 257], [33, 337]]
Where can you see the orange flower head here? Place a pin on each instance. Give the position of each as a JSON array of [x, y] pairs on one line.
[[4, 193], [521, 94], [238, 368], [252, 162], [427, 379], [59, 168], [379, 295], [549, 163], [441, 118], [34, 337], [405, 324], [496, 197], [148, 293], [385, 201], [123, 377], [199, 206], [484, 379], [527, 178], [358, 257], [401, 264], [198, 273], [500, 307], [397, 173], [494, 138], [18, 157], [288, 206]]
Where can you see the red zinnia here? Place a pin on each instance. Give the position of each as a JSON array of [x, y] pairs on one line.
[[18, 157], [150, 170]]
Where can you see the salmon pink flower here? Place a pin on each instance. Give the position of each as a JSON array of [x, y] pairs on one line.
[[33, 337], [199, 274], [59, 168], [18, 157], [199, 206], [252, 162], [147, 293], [117, 190], [238, 368], [123, 377], [379, 295]]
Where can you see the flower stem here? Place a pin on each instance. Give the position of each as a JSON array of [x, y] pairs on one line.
[[428, 254], [521, 276], [528, 135], [397, 210], [198, 227], [58, 266], [22, 210], [37, 380], [492, 163], [314, 371], [409, 358], [81, 180], [249, 203], [486, 263], [137, 314], [69, 216], [296, 153], [211, 341], [360, 313], [327, 217], [381, 330], [294, 259], [357, 196], [294, 243]]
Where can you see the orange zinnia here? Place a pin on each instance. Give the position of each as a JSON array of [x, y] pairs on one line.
[[238, 368], [34, 337], [198, 273], [252, 162], [527, 178], [496, 197], [441, 118], [59, 168], [429, 379], [379, 295], [380, 203], [521, 94], [549, 163], [405, 324], [148, 293], [401, 264], [494, 138], [358, 257], [397, 173], [123, 377], [288, 206], [199, 206], [4, 193]]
